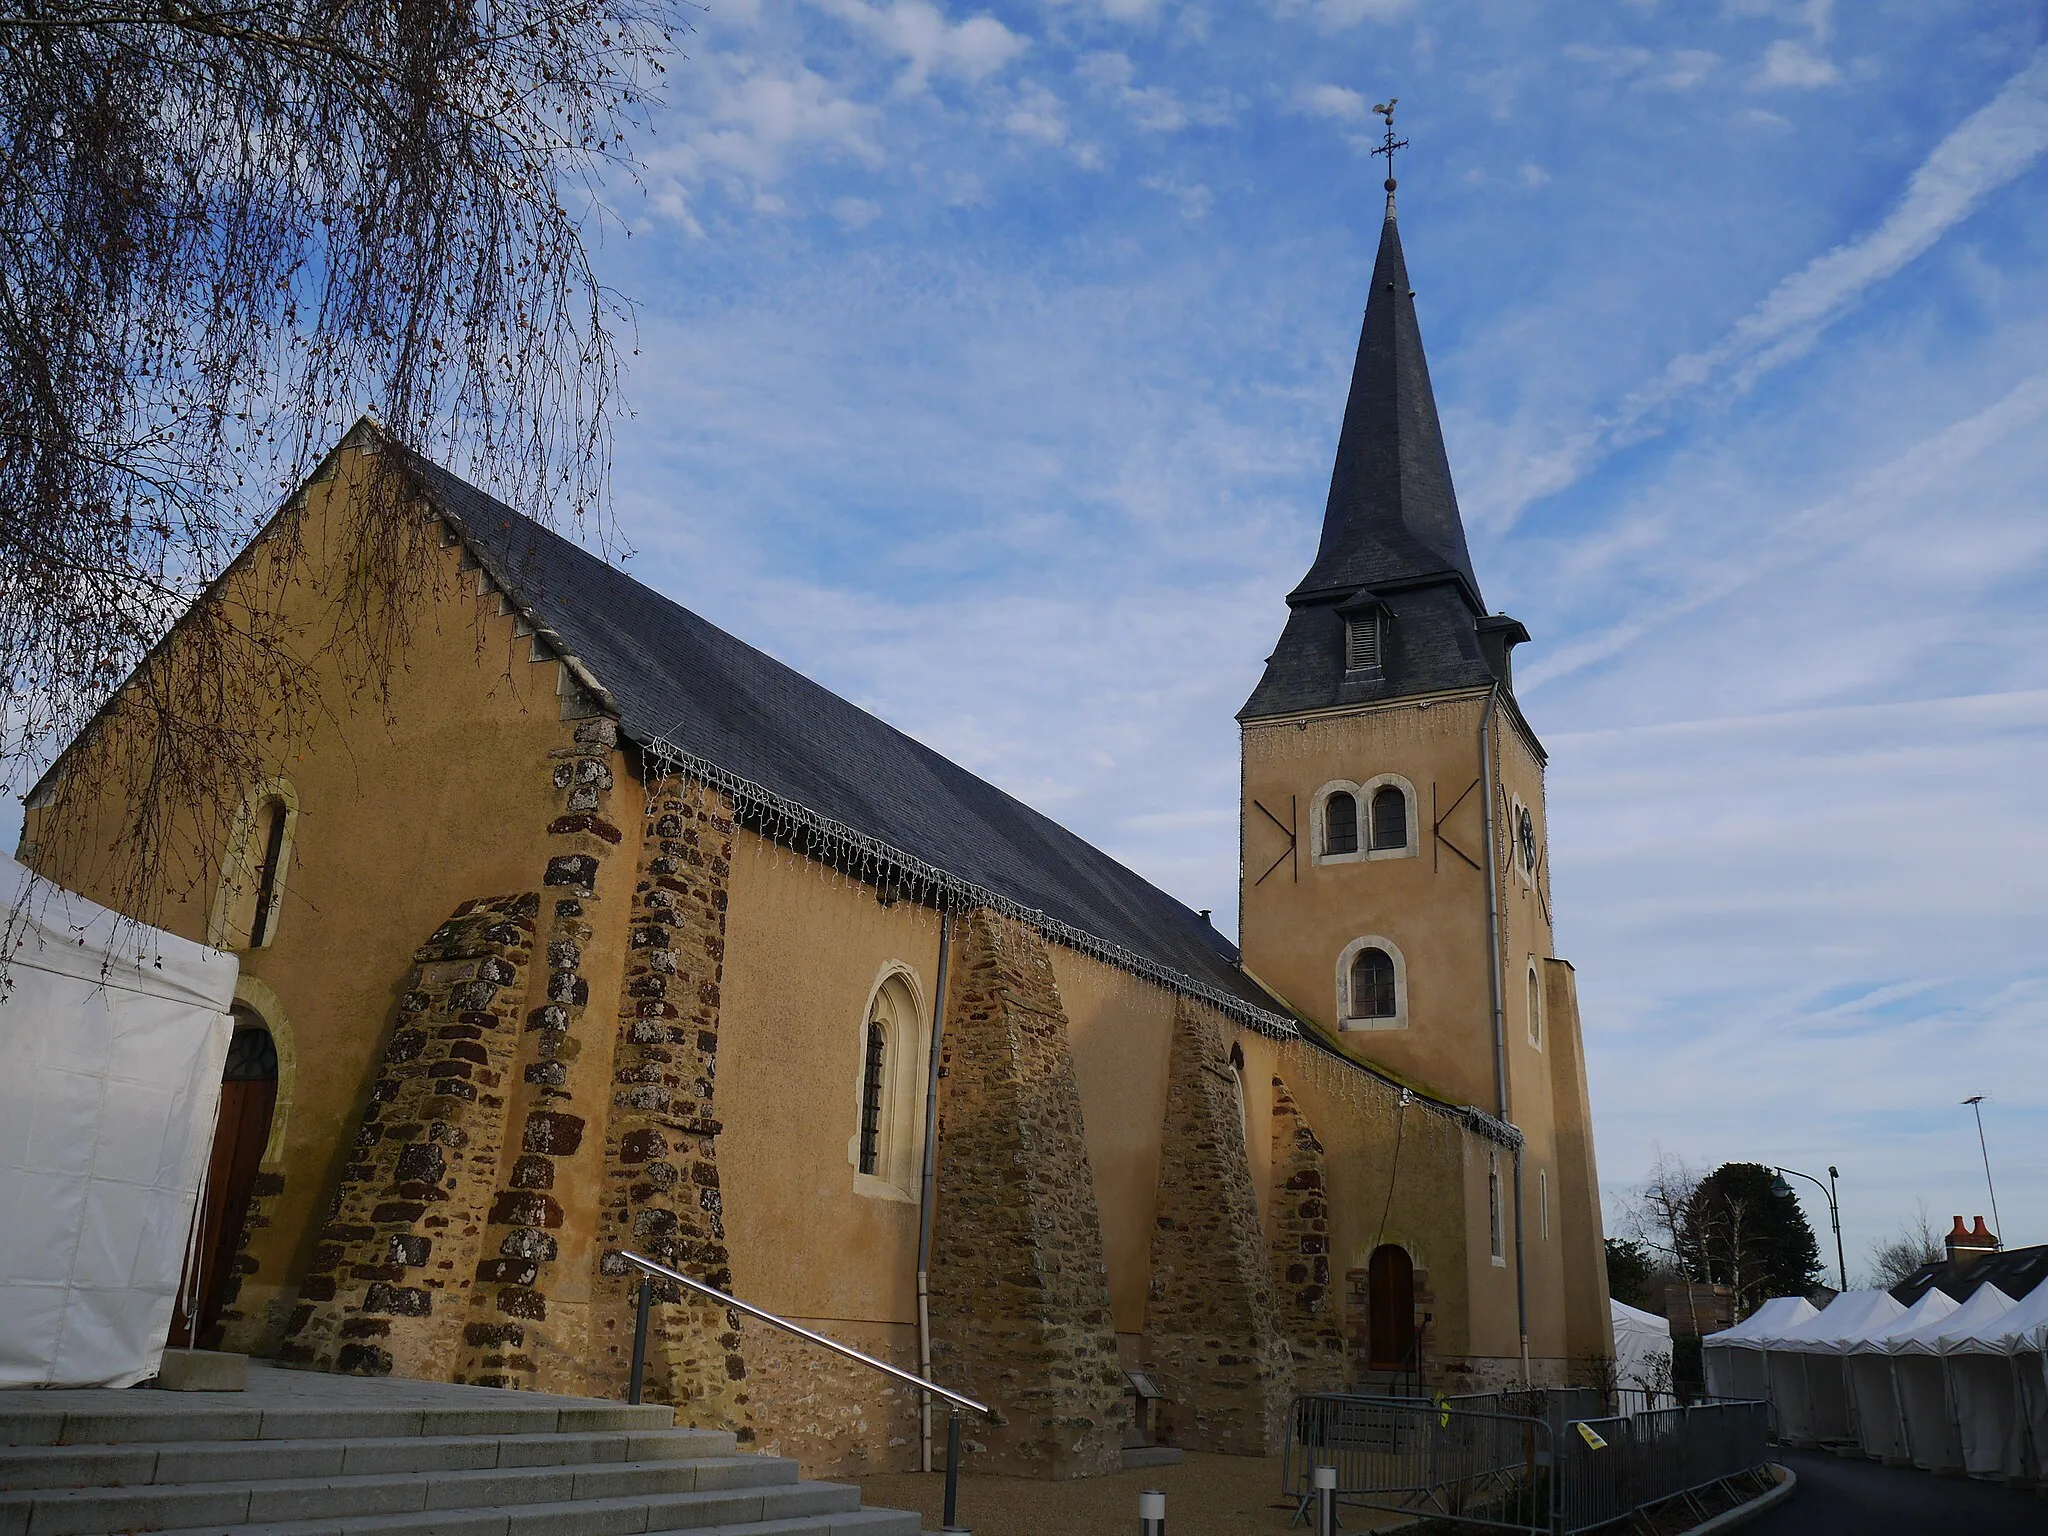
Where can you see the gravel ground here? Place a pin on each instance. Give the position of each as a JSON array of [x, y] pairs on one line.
[[1205, 1496]]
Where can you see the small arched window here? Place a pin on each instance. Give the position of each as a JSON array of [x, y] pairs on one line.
[[1389, 817], [871, 1086], [1372, 985], [250, 898], [1244, 1119], [270, 822], [1340, 824], [1535, 1007]]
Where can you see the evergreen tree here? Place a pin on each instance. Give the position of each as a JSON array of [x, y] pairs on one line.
[[1629, 1265], [1739, 1231]]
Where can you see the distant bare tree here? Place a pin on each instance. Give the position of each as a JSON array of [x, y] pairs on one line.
[[227, 227], [1655, 1213], [1916, 1243]]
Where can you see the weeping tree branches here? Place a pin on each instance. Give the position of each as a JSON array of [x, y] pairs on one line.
[[227, 229]]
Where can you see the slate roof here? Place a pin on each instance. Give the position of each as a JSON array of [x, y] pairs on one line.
[[677, 677], [2015, 1271], [1391, 532]]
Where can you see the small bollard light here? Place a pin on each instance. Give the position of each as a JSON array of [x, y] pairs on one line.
[[1326, 1501], [1151, 1513]]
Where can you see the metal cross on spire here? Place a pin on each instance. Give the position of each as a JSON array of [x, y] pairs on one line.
[[1388, 145]]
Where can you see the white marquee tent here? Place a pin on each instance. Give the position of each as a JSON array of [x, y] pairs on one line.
[[1999, 1391], [1804, 1365], [1868, 1365], [1918, 1376], [112, 1037], [1642, 1348], [1734, 1358]]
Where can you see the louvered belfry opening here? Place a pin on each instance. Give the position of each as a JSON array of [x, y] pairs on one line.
[[871, 1099], [1389, 818], [1372, 985], [1362, 642], [1340, 824]]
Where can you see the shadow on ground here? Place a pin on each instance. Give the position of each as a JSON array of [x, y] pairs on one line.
[[1838, 1496]]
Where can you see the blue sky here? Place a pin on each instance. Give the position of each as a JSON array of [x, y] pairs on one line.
[[991, 362]]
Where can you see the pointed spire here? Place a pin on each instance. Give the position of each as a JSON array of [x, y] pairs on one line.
[[1392, 516]]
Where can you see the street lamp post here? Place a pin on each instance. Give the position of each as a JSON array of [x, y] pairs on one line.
[[1976, 1103], [1780, 1187]]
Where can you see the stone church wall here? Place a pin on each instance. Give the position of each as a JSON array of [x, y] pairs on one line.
[[1306, 1307]]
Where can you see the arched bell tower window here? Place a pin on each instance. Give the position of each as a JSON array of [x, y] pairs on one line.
[[1340, 823], [1389, 818], [1372, 985]]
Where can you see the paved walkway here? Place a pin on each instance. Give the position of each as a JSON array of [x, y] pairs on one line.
[[1205, 1496], [1840, 1497]]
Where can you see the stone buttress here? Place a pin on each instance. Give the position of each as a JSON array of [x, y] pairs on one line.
[[1019, 1286], [384, 1291], [1210, 1330], [1298, 1228], [661, 1195], [521, 1332]]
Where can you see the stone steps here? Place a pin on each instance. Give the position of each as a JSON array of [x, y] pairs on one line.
[[300, 1458]]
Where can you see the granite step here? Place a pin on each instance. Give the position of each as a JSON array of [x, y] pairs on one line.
[[49, 1511], [192, 1461], [128, 1423]]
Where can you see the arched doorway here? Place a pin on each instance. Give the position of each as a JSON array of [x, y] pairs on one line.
[[1390, 1298], [248, 1094]]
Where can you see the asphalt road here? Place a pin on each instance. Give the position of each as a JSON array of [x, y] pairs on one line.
[[1840, 1497]]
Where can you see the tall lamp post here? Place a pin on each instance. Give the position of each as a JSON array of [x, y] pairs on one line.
[[1976, 1103], [1780, 1187]]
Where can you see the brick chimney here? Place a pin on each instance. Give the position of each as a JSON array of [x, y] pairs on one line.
[[1966, 1245]]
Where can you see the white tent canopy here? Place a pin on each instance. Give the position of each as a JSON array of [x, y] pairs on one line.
[[1733, 1357], [1997, 1388], [1868, 1367], [1932, 1438], [1804, 1365], [112, 1037], [1642, 1348]]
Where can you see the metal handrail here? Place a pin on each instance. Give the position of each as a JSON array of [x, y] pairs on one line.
[[787, 1326]]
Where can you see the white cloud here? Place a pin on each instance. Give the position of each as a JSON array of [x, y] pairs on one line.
[[1645, 69], [856, 212], [1194, 198], [1348, 13], [1793, 65], [918, 33], [1155, 108], [1332, 101], [1983, 153], [752, 121], [1533, 175], [1037, 114]]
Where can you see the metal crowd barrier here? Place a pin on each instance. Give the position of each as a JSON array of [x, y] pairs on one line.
[[1517, 1461]]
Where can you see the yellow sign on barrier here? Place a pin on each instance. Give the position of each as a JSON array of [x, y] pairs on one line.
[[1591, 1436]]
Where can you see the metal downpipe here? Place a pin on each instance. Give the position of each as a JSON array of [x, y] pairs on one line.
[[927, 1194], [1495, 965]]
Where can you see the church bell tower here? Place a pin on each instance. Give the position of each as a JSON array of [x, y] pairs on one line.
[[1395, 873]]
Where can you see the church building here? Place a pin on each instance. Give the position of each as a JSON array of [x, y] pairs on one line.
[[594, 930]]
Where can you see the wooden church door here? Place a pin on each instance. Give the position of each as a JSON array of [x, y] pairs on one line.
[[248, 1094], [1390, 1293]]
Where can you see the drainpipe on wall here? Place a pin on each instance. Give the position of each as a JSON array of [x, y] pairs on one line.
[[1494, 991], [928, 1194]]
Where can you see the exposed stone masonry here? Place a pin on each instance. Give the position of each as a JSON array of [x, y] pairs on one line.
[[402, 1240], [1298, 1233], [1019, 1287], [1210, 1325], [661, 1194], [510, 1338]]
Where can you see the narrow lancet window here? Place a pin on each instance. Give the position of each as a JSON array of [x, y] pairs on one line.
[[274, 813], [871, 1099], [1340, 824]]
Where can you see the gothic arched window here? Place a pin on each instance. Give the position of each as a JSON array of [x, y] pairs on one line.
[[1389, 817], [1373, 994], [1340, 824]]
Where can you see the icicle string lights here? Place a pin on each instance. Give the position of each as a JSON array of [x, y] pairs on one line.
[[850, 853]]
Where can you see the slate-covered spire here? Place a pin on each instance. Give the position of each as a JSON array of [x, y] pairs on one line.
[[1390, 608], [1392, 517]]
